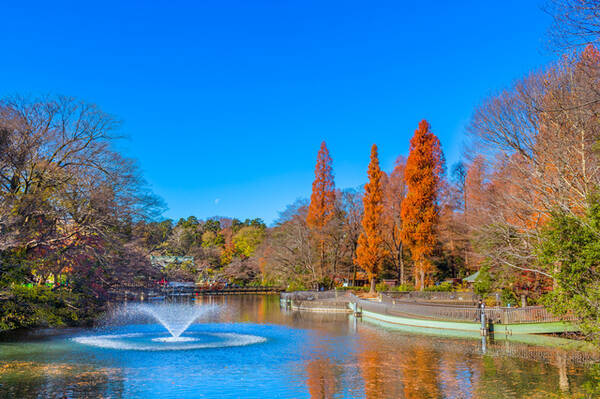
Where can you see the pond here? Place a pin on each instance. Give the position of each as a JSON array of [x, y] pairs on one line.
[[249, 347]]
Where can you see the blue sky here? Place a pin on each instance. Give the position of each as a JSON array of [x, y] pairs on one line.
[[225, 103]]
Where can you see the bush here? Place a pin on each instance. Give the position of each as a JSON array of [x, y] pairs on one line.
[[382, 287], [490, 301], [507, 297], [41, 306], [295, 286], [404, 288], [483, 282], [325, 283], [443, 287], [270, 282]]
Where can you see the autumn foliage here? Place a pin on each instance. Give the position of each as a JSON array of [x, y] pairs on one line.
[[322, 199], [322, 204], [423, 174], [371, 250]]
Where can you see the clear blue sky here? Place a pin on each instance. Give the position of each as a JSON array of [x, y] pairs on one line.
[[225, 103]]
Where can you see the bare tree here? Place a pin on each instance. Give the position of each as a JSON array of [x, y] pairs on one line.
[[352, 206], [575, 22], [395, 190], [539, 137], [289, 252], [63, 189]]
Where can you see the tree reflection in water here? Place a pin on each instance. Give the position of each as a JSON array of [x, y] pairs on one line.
[[59, 380]]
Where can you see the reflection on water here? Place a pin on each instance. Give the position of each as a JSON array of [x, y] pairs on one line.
[[20, 379], [306, 355]]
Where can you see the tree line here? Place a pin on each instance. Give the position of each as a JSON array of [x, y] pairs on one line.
[[390, 229]]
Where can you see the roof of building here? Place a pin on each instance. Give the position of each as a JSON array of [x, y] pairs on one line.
[[472, 277]]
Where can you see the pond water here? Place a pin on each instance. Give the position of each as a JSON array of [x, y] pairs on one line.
[[251, 348]]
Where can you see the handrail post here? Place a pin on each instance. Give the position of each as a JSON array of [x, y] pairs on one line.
[[483, 329]]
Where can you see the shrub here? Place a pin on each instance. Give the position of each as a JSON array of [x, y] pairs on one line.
[[443, 287], [490, 301], [382, 287], [39, 306], [507, 297], [296, 286], [404, 288]]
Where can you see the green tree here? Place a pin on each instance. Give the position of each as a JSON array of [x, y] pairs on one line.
[[570, 247], [212, 239], [483, 282], [247, 239]]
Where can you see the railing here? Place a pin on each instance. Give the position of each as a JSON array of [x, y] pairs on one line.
[[317, 301], [184, 290], [312, 295], [530, 314], [333, 306], [460, 297], [411, 309], [422, 310]]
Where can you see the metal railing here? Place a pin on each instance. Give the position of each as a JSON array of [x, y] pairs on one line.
[[323, 306], [389, 305], [421, 310], [311, 295], [432, 296], [502, 315]]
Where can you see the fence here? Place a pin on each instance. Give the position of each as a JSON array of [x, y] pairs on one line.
[[431, 296], [530, 314], [331, 306], [312, 295], [317, 301], [392, 306]]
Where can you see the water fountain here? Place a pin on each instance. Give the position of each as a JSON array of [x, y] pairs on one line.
[[175, 318]]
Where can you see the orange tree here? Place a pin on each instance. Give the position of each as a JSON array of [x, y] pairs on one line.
[[322, 203], [371, 251], [423, 174]]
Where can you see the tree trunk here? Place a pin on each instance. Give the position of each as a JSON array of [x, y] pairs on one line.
[[322, 260], [354, 244], [401, 256], [422, 279], [372, 290]]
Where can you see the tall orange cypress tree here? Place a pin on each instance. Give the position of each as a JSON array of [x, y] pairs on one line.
[[371, 251], [423, 174], [322, 201]]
